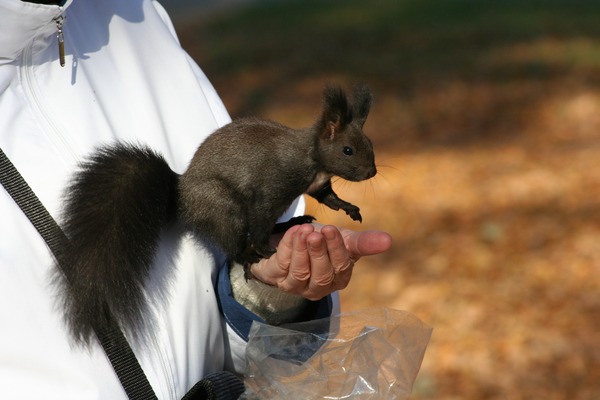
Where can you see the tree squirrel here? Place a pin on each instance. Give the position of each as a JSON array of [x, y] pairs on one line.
[[240, 180]]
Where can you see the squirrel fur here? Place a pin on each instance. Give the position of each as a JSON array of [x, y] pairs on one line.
[[240, 180]]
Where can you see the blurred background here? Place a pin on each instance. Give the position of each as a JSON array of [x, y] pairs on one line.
[[486, 126]]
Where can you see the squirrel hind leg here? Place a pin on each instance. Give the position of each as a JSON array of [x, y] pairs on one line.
[[258, 244], [255, 251], [252, 255], [216, 213]]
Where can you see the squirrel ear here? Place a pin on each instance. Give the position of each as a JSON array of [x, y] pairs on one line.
[[361, 103], [336, 112], [331, 129], [335, 108]]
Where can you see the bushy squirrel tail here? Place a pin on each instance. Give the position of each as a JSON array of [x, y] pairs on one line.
[[115, 209]]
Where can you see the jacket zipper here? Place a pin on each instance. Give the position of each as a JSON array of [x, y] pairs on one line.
[[60, 37], [31, 90]]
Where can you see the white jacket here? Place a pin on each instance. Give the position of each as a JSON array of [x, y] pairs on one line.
[[126, 78]]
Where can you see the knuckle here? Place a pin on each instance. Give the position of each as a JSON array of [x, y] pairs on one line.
[[300, 276], [324, 281], [345, 265]]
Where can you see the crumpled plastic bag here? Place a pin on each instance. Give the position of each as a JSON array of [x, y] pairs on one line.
[[367, 354]]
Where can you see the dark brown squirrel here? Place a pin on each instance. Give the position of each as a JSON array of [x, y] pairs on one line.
[[240, 180]]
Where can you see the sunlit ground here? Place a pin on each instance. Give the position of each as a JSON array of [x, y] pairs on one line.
[[486, 125]]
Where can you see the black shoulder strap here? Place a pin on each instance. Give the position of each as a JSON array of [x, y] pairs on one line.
[[111, 338], [221, 385]]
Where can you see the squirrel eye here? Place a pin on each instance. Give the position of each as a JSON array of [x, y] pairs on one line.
[[348, 151]]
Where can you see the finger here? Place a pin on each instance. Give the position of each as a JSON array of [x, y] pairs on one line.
[[366, 243], [285, 246], [275, 268], [299, 272], [322, 271], [338, 254], [341, 259]]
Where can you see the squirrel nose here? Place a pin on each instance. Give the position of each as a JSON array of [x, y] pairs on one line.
[[373, 172], [368, 173]]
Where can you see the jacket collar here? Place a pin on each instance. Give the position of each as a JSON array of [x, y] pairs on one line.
[[21, 22]]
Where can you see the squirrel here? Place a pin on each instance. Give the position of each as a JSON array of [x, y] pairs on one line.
[[240, 180]]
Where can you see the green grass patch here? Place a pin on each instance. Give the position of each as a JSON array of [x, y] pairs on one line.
[[398, 40]]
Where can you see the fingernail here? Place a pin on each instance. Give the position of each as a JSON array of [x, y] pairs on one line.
[[329, 234], [302, 237]]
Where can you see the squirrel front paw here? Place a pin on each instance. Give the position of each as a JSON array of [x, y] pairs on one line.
[[353, 212]]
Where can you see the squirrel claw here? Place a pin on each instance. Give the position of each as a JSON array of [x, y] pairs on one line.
[[248, 272], [354, 213]]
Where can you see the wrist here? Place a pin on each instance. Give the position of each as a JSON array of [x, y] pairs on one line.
[[268, 302]]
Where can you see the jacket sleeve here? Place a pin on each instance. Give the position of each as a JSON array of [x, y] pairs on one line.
[[239, 319], [21, 22]]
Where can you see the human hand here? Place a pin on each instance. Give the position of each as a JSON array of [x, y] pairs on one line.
[[313, 260]]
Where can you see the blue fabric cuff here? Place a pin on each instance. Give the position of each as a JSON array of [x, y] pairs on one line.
[[240, 318]]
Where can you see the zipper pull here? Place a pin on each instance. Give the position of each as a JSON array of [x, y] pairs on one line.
[[60, 37]]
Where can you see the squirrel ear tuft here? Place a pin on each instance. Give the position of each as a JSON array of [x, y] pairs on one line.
[[361, 103], [336, 112]]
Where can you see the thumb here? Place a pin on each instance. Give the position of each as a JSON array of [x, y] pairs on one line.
[[366, 243]]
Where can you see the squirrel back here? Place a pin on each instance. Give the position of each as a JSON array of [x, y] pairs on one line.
[[241, 179]]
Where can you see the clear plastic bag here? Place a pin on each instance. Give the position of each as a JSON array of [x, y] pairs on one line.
[[367, 354]]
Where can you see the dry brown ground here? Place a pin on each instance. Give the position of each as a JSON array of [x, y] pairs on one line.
[[489, 177]]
